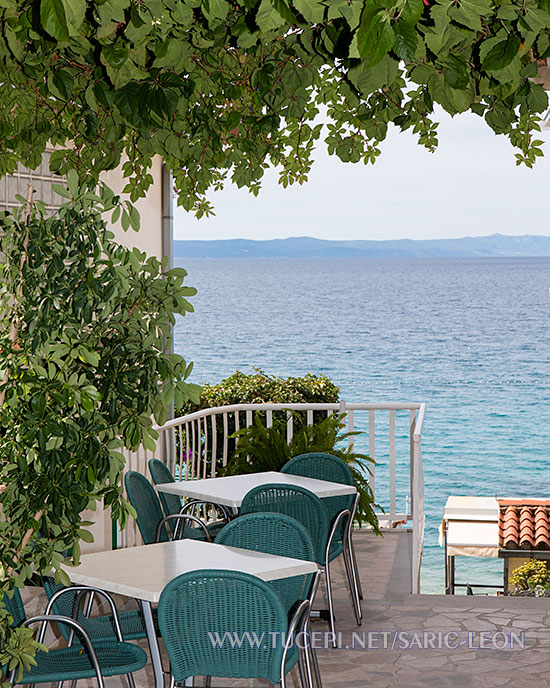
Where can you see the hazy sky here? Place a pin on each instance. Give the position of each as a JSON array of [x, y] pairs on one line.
[[470, 186]]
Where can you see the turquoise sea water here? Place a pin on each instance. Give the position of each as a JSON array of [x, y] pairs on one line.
[[470, 337]]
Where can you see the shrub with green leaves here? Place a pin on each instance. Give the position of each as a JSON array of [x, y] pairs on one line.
[[531, 575], [261, 388], [84, 332]]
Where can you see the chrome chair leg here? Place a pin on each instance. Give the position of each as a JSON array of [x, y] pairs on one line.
[[354, 594], [312, 666], [331, 620], [316, 671], [351, 570], [208, 682], [131, 681], [354, 563], [349, 529], [303, 677]]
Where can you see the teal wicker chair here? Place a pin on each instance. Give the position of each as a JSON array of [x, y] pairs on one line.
[[277, 534], [160, 473], [329, 467], [284, 536], [308, 510], [152, 523], [196, 610], [85, 659]]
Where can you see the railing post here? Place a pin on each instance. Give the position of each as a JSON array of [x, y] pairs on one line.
[[417, 502]]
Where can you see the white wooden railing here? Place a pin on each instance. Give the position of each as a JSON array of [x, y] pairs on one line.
[[196, 445]]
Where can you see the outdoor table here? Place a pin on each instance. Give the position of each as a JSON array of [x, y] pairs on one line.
[[230, 490], [143, 573]]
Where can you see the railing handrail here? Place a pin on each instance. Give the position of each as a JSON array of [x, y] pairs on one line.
[[299, 406]]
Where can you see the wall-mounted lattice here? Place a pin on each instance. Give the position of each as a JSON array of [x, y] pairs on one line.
[[41, 179]]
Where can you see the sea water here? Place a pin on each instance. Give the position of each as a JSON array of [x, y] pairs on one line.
[[470, 337]]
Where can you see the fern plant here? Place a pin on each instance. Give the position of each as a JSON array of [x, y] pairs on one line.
[[266, 449]]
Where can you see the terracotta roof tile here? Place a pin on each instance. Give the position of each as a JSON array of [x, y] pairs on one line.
[[524, 523]]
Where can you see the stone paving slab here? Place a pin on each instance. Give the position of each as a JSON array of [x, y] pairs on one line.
[[418, 640]]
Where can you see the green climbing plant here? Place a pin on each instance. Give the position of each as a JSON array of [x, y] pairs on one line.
[[84, 371]]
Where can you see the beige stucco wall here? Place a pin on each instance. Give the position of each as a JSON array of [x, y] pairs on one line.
[[149, 237]]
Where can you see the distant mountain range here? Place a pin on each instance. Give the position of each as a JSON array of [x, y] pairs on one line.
[[495, 245]]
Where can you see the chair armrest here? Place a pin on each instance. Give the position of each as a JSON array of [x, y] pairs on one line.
[[180, 518], [345, 513], [46, 619], [82, 590]]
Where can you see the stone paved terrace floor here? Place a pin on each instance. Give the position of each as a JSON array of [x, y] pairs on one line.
[[437, 620]]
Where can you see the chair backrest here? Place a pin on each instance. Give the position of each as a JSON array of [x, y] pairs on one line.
[[275, 534], [201, 614], [64, 606], [14, 605], [296, 502], [324, 467], [143, 497], [160, 473]]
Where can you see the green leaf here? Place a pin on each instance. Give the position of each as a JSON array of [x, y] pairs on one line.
[[537, 100], [412, 11], [61, 191], [88, 356], [311, 10], [54, 21], [456, 72], [375, 36], [72, 182], [470, 12], [115, 55], [531, 69], [85, 535], [537, 19], [215, 9], [500, 119], [75, 11], [64, 82], [367, 80], [502, 54], [406, 41], [267, 17]]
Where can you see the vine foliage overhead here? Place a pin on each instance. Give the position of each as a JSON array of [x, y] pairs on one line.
[[223, 88]]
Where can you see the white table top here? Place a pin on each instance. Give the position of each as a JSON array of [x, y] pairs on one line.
[[230, 490], [143, 572]]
